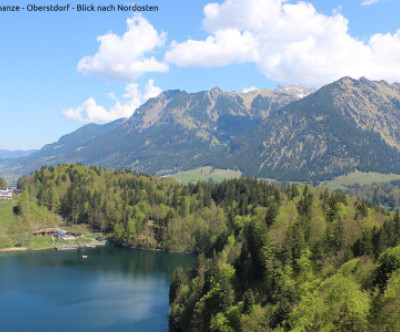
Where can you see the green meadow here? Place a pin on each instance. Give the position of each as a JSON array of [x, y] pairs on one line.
[[206, 174]]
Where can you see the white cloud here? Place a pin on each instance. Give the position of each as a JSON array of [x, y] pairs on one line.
[[90, 111], [288, 42], [369, 2], [125, 58], [221, 49], [252, 88], [240, 14]]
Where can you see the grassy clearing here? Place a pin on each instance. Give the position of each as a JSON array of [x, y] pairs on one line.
[[41, 242], [205, 174], [79, 228], [14, 232], [7, 217], [8, 223], [362, 178]]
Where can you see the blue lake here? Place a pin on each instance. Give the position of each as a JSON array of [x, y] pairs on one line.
[[113, 289]]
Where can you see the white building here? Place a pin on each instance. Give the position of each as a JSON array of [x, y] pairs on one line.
[[6, 193]]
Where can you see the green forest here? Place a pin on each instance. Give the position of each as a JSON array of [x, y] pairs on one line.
[[292, 258], [3, 183]]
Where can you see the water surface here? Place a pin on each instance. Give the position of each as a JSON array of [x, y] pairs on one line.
[[113, 289]]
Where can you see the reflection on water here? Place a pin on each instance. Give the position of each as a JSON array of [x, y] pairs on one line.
[[114, 289]]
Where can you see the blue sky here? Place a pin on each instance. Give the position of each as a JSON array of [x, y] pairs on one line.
[[62, 70]]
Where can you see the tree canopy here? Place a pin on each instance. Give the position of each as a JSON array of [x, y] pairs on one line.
[[270, 258]]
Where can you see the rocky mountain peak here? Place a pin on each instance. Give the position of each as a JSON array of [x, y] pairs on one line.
[[296, 90], [396, 86], [287, 133], [215, 93]]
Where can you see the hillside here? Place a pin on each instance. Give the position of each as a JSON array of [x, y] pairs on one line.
[[15, 154], [291, 258], [345, 126], [176, 130], [288, 134], [62, 150]]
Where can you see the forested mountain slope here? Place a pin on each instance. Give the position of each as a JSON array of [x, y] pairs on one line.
[[15, 154], [291, 258], [176, 130], [64, 149], [288, 134], [346, 125]]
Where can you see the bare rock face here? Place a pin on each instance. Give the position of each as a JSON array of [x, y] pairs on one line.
[[296, 90], [215, 93], [168, 132], [346, 125], [374, 106]]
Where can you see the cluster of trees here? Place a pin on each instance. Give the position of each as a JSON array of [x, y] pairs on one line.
[[311, 261], [269, 258], [3, 183], [140, 210], [385, 194]]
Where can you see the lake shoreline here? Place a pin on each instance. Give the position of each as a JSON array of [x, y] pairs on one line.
[[16, 249], [22, 249]]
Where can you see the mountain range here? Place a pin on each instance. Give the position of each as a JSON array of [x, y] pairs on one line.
[[346, 125], [291, 133], [15, 153]]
